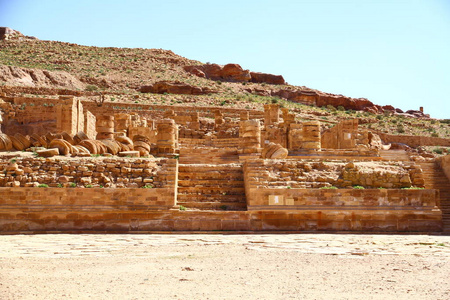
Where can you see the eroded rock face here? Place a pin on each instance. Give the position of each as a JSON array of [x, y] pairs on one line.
[[229, 72], [17, 76], [267, 78], [7, 33], [175, 87], [346, 102], [233, 73]]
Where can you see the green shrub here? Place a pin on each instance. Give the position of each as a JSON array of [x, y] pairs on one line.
[[88, 186], [328, 188], [148, 186], [60, 185], [182, 207], [331, 107], [341, 108], [72, 185], [43, 185], [358, 187], [91, 88], [438, 150]]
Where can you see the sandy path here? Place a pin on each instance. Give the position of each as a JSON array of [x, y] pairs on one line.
[[224, 267]]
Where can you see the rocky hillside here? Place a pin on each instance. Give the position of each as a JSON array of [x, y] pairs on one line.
[[32, 66]]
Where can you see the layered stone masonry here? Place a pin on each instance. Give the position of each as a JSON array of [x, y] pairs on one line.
[[112, 172], [303, 173]]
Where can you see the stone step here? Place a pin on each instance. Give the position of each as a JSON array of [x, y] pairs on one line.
[[209, 167], [209, 172], [206, 177], [205, 198], [212, 190], [213, 205], [210, 182]]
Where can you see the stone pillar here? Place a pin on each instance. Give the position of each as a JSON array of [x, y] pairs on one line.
[[105, 127], [122, 122], [169, 114], [167, 137], [218, 118], [311, 135], [347, 131], [90, 122], [421, 109], [271, 114], [67, 115], [195, 122], [250, 137], [244, 116], [288, 117], [295, 139]]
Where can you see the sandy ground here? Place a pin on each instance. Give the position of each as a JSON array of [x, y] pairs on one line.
[[309, 266]]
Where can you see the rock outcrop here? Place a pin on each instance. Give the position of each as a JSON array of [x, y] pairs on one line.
[[318, 98], [7, 33], [267, 78], [175, 87], [233, 73], [229, 72], [17, 76]]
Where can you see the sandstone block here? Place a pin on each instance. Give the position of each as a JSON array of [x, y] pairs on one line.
[[129, 153], [48, 152]]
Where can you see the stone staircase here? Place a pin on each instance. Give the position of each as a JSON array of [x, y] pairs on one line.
[[435, 179], [211, 186], [394, 155], [217, 143]]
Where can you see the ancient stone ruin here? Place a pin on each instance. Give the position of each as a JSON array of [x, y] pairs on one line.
[[73, 166]]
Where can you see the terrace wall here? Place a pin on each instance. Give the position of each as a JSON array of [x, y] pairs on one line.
[[444, 162], [414, 141]]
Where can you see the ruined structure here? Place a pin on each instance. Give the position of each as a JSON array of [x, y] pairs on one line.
[[88, 168]]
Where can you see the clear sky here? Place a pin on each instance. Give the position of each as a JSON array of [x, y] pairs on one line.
[[389, 51]]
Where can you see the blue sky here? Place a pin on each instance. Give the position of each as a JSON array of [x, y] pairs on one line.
[[391, 52]]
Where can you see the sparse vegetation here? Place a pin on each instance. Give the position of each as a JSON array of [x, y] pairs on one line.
[[328, 188], [358, 187]]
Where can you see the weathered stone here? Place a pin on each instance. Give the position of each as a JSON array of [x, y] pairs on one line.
[[48, 152]]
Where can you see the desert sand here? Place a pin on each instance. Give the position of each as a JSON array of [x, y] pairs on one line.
[[216, 266]]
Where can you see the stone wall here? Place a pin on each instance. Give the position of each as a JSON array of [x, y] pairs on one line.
[[43, 115], [414, 141], [341, 199], [341, 136], [339, 209], [108, 172], [131, 216], [444, 162], [293, 173], [46, 209], [155, 111]]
